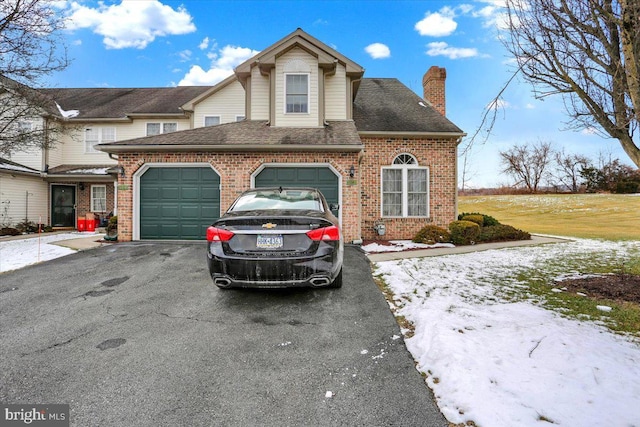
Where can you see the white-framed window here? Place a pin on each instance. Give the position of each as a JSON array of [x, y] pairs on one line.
[[98, 198], [239, 118], [97, 135], [156, 128], [405, 188], [296, 93], [211, 120]]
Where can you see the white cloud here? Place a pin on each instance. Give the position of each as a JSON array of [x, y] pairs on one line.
[[437, 24], [378, 50], [465, 8], [222, 66], [130, 23], [185, 55], [443, 49], [204, 43], [493, 15]]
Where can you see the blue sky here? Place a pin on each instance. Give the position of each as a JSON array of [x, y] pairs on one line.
[[155, 43]]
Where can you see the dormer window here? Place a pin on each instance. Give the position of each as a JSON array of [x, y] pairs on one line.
[[297, 93]]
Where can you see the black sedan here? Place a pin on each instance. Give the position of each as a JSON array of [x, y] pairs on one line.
[[276, 237]]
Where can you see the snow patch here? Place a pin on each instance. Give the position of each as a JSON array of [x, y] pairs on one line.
[[500, 363], [401, 245], [69, 114], [15, 254]]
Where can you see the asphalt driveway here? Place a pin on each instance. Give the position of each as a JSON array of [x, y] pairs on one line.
[[136, 334]]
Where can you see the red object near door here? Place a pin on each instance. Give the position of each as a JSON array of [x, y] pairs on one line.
[[91, 225], [82, 224]]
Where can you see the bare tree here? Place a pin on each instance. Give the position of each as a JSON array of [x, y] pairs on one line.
[[30, 43], [30, 49], [569, 168], [527, 164], [587, 51]]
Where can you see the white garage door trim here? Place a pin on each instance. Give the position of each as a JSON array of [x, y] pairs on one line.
[[303, 165], [136, 188]]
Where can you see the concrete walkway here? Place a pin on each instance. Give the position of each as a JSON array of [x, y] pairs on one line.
[[83, 242], [535, 240]]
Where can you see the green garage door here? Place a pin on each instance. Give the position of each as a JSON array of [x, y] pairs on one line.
[[178, 203], [321, 178]]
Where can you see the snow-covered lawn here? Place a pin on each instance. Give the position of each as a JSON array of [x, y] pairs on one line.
[[508, 362], [19, 253]]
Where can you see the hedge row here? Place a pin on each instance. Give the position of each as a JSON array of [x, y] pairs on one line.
[[469, 229]]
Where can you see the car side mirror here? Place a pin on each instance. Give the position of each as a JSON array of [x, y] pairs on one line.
[[334, 206]]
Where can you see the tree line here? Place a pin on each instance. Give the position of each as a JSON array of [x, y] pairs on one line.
[[538, 167]]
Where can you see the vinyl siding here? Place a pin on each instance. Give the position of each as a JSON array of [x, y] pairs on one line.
[[259, 95], [296, 119], [32, 158], [55, 155], [72, 150], [335, 89], [228, 103], [13, 198]]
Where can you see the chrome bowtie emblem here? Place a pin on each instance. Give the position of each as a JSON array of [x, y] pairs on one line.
[[269, 225]]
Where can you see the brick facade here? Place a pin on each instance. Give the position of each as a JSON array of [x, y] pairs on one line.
[[439, 155], [83, 200], [235, 171], [361, 195]]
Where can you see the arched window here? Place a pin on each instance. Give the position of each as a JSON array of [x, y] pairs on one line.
[[405, 159], [405, 188]]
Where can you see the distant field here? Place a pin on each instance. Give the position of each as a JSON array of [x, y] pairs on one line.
[[606, 216]]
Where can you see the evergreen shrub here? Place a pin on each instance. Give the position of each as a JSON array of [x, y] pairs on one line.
[[464, 232], [432, 234]]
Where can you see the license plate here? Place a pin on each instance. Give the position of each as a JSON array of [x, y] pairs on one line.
[[269, 241]]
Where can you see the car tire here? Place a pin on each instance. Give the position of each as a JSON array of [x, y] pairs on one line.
[[337, 283]]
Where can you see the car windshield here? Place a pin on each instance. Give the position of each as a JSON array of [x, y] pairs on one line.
[[290, 199]]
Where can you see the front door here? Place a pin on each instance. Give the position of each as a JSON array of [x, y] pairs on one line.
[[63, 205]]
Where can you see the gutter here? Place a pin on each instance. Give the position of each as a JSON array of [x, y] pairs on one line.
[[122, 148], [396, 134]]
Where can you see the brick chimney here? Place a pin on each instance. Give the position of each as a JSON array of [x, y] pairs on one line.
[[433, 86]]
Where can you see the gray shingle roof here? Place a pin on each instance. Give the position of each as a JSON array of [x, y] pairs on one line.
[[251, 133], [386, 105], [9, 166], [105, 103]]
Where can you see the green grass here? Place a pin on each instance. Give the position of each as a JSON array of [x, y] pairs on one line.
[[536, 285], [624, 317], [604, 216]]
